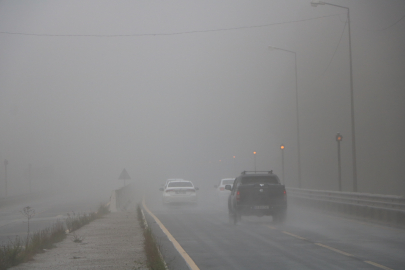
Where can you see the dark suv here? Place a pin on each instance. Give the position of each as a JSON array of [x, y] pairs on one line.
[[257, 194]]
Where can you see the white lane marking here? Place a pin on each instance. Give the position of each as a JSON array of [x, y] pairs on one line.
[[334, 249], [176, 244], [378, 265], [293, 235]]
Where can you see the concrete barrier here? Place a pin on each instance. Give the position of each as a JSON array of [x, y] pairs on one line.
[[113, 202], [121, 198]]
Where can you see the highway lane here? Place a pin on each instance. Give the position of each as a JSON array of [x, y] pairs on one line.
[[47, 211], [307, 240]]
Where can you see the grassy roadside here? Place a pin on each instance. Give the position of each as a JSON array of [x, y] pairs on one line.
[[21, 249], [153, 257]]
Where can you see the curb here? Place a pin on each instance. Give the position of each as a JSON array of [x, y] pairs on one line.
[[145, 223]]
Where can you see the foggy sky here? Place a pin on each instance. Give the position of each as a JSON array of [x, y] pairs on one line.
[[175, 101]]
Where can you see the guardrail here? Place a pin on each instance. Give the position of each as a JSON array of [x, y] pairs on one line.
[[384, 208]]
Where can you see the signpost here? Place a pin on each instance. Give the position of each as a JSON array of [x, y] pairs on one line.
[[124, 176]]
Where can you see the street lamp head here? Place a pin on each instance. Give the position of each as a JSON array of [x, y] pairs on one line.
[[315, 3], [254, 153], [282, 147]]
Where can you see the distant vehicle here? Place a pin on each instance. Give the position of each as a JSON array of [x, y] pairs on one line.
[[220, 189], [258, 194], [179, 191]]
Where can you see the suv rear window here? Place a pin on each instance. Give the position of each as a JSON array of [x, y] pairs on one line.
[[271, 179]]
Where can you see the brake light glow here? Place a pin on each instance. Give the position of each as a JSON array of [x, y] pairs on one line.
[[238, 195], [285, 192]]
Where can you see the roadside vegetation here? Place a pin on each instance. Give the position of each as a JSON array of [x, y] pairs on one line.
[[154, 259], [22, 249]]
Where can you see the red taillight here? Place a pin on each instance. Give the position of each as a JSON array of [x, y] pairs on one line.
[[285, 192], [238, 195], [221, 188]]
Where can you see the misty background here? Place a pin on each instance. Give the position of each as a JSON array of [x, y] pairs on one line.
[[176, 89]]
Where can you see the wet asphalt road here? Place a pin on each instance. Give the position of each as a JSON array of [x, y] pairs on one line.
[[307, 240]]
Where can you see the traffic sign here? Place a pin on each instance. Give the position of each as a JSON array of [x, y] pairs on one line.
[[124, 175]]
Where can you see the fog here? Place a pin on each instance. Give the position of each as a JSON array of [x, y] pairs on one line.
[[180, 89]]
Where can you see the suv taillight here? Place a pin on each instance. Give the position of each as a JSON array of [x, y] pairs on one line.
[[238, 195]]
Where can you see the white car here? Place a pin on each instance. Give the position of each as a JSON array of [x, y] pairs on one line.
[[179, 191], [221, 191]]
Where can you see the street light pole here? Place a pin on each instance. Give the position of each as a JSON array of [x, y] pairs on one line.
[[297, 112], [234, 163], [254, 156], [29, 175], [339, 139], [282, 161], [315, 3], [5, 174]]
